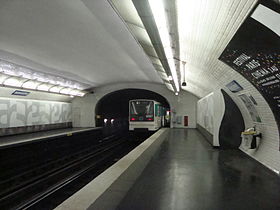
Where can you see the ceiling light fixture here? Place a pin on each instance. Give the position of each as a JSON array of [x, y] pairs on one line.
[[14, 75], [55, 89], [44, 87], [158, 11], [3, 77], [65, 91], [81, 94], [13, 81], [30, 84], [77, 93]]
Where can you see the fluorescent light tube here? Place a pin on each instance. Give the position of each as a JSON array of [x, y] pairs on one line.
[[13, 81], [44, 87], [65, 91], [81, 94], [30, 84], [77, 93], [158, 11], [2, 78], [55, 89]]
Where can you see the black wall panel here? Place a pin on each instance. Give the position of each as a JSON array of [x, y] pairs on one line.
[[231, 126]]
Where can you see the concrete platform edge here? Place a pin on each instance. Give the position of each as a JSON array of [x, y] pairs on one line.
[[108, 189], [23, 140]]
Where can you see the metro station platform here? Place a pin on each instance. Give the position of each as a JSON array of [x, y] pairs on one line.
[[187, 173], [15, 140]]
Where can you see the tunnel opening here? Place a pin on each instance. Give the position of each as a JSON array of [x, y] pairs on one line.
[[112, 111]]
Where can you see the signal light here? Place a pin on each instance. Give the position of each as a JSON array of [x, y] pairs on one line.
[[132, 119], [150, 119]]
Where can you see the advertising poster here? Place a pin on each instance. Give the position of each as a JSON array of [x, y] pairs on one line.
[[254, 52], [251, 108]]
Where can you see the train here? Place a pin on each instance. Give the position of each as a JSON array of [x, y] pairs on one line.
[[147, 115]]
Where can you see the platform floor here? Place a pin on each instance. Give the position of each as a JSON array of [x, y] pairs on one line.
[[187, 173], [13, 140]]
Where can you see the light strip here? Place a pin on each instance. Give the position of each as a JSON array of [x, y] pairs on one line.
[[158, 11], [13, 81], [44, 87], [3, 77], [65, 91], [17, 76], [12, 69], [55, 89], [30, 84], [19, 82]]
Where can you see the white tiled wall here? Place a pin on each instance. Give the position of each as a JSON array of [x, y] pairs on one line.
[[185, 105], [23, 112]]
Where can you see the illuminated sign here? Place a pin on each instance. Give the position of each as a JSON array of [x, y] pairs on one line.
[[20, 93]]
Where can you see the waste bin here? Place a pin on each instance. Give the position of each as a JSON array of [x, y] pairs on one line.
[[250, 138]]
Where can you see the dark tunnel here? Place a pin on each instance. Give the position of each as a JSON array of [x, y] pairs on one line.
[[115, 106]]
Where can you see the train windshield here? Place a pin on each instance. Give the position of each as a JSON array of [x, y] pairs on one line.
[[142, 108]]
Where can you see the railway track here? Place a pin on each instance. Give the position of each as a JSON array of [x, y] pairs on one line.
[[32, 189]]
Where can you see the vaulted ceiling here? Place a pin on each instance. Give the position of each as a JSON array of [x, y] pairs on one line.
[[100, 42], [199, 35], [205, 28], [84, 40]]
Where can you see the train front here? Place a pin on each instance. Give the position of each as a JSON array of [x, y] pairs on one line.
[[142, 116]]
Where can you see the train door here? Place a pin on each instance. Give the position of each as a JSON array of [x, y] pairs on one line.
[[163, 116], [157, 115]]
